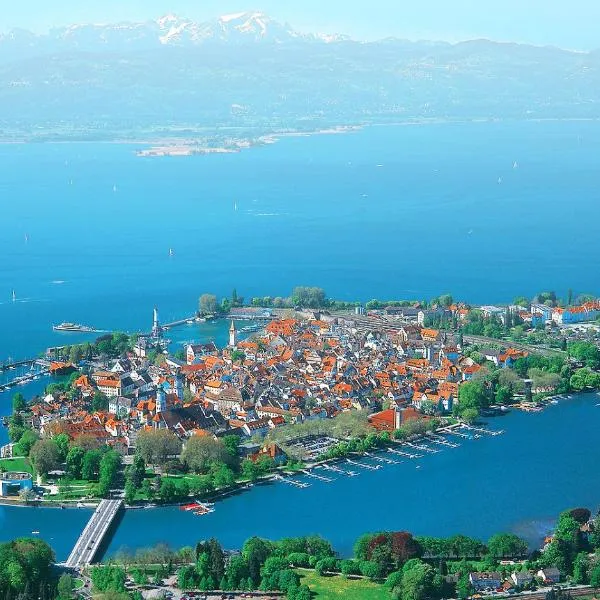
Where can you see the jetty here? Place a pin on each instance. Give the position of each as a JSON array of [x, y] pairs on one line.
[[94, 534], [363, 465], [405, 454], [382, 459], [315, 476], [442, 441], [482, 430], [336, 469], [298, 484], [422, 448]]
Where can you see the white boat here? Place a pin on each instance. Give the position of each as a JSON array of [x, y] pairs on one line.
[[114, 189], [171, 252], [14, 296], [499, 180], [515, 165]]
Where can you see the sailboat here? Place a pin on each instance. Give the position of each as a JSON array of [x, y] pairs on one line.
[[499, 180], [515, 165], [235, 206], [115, 189], [26, 237], [171, 252], [14, 296]]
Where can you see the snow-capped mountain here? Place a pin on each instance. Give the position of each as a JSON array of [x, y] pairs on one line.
[[169, 30]]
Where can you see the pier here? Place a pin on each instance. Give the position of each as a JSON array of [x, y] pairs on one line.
[[442, 442], [422, 448], [404, 454], [298, 484], [94, 533], [26, 376], [315, 476], [382, 459], [482, 430], [336, 469], [363, 465]]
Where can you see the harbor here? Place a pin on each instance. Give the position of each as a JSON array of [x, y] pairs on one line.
[[450, 480]]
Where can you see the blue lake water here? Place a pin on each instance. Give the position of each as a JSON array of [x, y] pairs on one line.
[[519, 481], [410, 211], [386, 212]]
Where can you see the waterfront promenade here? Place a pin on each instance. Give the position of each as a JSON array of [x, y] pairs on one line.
[[93, 535]]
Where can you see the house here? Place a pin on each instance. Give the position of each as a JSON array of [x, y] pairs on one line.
[[386, 420], [485, 580], [521, 578], [195, 352], [258, 427], [119, 406], [549, 575]]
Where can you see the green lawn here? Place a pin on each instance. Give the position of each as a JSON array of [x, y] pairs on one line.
[[340, 588], [16, 464]]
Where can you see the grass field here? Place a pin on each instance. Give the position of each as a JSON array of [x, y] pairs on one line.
[[16, 464], [340, 588]]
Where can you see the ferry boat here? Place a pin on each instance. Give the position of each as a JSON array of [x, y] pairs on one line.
[[73, 327]]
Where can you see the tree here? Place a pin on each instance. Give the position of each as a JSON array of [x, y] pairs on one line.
[[586, 352], [309, 297], [62, 442], [99, 402], [595, 576], [45, 456], [506, 545], [157, 446], [419, 581], [109, 470], [256, 551], [581, 568], [207, 304], [201, 452], [90, 465], [26, 441], [222, 476], [19, 403], [168, 490], [65, 587]]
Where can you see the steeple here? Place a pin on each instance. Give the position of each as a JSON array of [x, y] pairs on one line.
[[232, 335]]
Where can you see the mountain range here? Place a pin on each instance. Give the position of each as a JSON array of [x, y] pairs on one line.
[[249, 71]]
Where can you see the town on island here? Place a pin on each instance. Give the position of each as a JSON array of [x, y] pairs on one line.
[[306, 388]]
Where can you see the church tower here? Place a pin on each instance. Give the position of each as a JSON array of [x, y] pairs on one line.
[[161, 400], [232, 335]]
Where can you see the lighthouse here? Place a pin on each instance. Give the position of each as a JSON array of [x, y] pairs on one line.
[[232, 335], [155, 324]]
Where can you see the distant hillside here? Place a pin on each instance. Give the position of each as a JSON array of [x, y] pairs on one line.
[[249, 71]]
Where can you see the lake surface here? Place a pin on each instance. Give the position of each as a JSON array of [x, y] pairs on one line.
[[544, 463], [402, 212]]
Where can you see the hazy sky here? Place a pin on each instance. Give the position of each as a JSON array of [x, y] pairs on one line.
[[566, 23]]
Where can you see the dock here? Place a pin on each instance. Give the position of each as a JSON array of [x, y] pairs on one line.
[[422, 448], [94, 533], [404, 454], [298, 484], [482, 430], [363, 465], [315, 476], [442, 442], [336, 469], [382, 459]]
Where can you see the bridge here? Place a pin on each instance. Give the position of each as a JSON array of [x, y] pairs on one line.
[[93, 535]]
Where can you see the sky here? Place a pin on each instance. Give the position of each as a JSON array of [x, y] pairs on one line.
[[569, 24]]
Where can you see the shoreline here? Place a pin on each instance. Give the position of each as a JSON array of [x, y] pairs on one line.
[[159, 141]]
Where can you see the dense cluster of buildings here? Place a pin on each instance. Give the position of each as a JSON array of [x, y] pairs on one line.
[[295, 370]]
